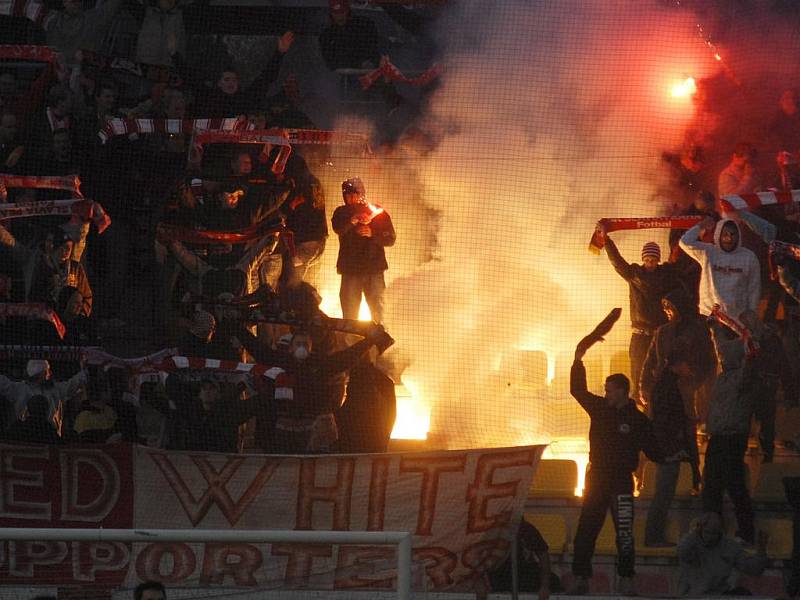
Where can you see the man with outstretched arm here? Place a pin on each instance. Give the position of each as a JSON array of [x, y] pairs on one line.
[[617, 433]]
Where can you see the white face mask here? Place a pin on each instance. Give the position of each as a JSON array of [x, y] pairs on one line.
[[301, 353]]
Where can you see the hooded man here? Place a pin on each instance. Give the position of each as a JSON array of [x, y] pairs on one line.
[[40, 382], [730, 273], [647, 284]]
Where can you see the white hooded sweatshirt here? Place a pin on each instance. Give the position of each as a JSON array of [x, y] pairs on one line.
[[730, 279]]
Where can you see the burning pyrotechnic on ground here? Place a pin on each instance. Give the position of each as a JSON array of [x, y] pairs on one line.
[[684, 89]]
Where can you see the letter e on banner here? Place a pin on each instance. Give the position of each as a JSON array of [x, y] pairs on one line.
[[357, 565], [301, 560], [23, 493]]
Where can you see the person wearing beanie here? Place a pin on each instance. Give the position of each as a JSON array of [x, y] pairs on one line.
[[199, 330], [39, 382], [647, 284], [350, 41], [364, 231]]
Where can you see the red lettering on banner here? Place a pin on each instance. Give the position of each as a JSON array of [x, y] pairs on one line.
[[430, 467], [483, 490], [23, 557], [443, 564], [376, 509], [339, 494], [301, 560], [150, 559], [217, 491], [20, 487], [88, 559], [103, 471], [484, 556], [216, 564], [355, 565]]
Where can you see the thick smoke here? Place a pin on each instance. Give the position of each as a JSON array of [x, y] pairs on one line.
[[551, 115]]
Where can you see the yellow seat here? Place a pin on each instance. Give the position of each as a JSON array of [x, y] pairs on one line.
[[683, 488], [672, 533], [554, 479], [769, 487], [553, 528], [780, 536]]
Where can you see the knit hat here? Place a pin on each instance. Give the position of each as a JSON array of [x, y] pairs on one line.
[[354, 185], [203, 325], [652, 250], [36, 367]]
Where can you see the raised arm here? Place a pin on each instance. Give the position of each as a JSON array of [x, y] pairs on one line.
[[690, 241], [620, 265]]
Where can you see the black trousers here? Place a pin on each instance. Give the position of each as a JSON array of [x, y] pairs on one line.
[[604, 491], [765, 404], [724, 470], [792, 488], [637, 352]]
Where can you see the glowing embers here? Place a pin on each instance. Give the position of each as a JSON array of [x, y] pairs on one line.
[[684, 89], [413, 414]]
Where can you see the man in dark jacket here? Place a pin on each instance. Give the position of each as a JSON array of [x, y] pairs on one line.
[[647, 284], [617, 434], [349, 42], [364, 231]]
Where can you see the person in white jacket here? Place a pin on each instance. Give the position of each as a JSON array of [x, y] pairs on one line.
[[730, 273]]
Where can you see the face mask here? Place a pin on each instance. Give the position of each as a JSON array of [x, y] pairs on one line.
[[301, 353]]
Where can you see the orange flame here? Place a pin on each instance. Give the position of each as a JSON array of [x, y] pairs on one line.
[[684, 89]]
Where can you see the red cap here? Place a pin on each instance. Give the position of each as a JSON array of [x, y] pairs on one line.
[[340, 7]]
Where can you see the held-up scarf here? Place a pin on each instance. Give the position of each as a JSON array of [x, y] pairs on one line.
[[598, 241]]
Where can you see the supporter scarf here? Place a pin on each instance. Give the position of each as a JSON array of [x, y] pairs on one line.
[[80, 209], [94, 355], [391, 73], [750, 345], [598, 241], [782, 250], [19, 8], [758, 200], [33, 310], [273, 137], [116, 127], [159, 74], [71, 183], [176, 233], [295, 137]]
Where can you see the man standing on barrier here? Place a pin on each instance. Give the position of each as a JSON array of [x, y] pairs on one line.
[[617, 433], [364, 231]]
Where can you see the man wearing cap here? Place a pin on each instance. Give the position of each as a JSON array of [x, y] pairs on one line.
[[647, 284], [39, 381], [364, 231]]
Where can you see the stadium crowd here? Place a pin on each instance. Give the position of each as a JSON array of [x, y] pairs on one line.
[[232, 237]]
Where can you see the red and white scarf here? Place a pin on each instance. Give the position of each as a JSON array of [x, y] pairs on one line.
[[758, 200], [33, 310], [71, 183], [80, 209], [176, 233], [20, 8], [391, 73], [750, 345], [598, 240], [116, 127]]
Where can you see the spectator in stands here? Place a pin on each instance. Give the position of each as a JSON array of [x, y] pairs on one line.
[[366, 418], [35, 427], [740, 176], [349, 41], [211, 423], [10, 148], [60, 159], [227, 99], [97, 421], [674, 429], [283, 109], [730, 274], [162, 33], [56, 270], [198, 331], [647, 284], [39, 382], [150, 590], [533, 565], [74, 28], [57, 114], [728, 425], [363, 234], [617, 434], [708, 560], [785, 126]]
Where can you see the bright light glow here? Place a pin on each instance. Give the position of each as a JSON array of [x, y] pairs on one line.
[[576, 449], [364, 313], [413, 414], [717, 56], [684, 89]]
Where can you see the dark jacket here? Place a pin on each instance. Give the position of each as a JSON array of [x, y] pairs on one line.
[[215, 430], [367, 416], [359, 254], [670, 423], [645, 288], [216, 103], [615, 436], [350, 45]]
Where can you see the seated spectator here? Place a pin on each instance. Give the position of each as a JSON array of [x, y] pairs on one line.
[[97, 421], [39, 382], [227, 99], [74, 28], [740, 176], [349, 41], [56, 270], [162, 33], [708, 560], [36, 427]]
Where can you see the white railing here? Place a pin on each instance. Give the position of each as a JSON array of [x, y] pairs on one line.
[[401, 539]]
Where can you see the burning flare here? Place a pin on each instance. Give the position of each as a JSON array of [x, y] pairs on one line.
[[684, 89]]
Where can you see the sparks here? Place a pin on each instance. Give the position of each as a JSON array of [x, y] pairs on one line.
[[684, 89]]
